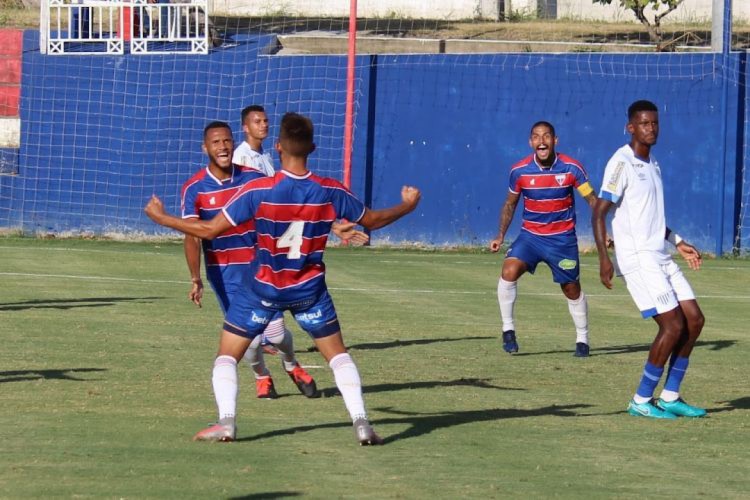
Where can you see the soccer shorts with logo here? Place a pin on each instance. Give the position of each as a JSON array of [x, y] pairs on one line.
[[560, 253], [657, 288], [249, 315]]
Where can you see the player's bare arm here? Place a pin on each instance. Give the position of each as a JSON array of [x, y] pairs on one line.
[[375, 219], [204, 229], [346, 232], [598, 223], [506, 216], [691, 254], [192, 247]]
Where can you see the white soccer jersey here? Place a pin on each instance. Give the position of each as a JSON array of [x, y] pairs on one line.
[[638, 227], [245, 156]]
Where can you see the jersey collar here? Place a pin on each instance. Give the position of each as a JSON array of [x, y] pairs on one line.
[[294, 176], [546, 169], [219, 181]]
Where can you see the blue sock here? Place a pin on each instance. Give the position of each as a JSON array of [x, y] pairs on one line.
[[676, 373], [649, 380]]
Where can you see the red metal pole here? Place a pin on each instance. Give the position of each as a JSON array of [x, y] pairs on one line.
[[349, 118]]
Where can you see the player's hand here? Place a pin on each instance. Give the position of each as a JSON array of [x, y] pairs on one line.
[[496, 244], [196, 292], [347, 232], [411, 196], [154, 208], [691, 255], [606, 272]]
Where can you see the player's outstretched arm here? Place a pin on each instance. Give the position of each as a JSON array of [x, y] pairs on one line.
[[598, 222], [506, 215], [375, 219], [204, 229]]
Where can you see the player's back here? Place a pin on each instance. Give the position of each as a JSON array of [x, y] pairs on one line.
[[293, 216]]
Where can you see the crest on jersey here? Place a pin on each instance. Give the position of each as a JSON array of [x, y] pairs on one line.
[[560, 178]]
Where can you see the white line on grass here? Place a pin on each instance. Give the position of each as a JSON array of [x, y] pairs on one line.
[[349, 289]]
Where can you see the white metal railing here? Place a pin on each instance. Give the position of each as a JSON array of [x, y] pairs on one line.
[[106, 26]]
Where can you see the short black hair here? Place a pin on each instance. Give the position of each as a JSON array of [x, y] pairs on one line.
[[639, 106], [544, 124], [216, 124], [253, 108], [296, 134]]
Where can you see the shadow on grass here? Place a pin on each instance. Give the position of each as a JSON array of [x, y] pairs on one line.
[[269, 495], [405, 343], [421, 424], [70, 303], [712, 345], [465, 382], [60, 374], [731, 405]]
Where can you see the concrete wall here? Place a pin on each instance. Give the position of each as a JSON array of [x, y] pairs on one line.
[[689, 11]]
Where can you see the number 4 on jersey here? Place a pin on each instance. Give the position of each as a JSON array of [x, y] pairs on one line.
[[292, 239]]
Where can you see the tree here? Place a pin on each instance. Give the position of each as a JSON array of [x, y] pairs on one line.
[[639, 9]]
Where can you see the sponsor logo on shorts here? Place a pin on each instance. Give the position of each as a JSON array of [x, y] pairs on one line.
[[311, 317], [257, 319], [567, 264]]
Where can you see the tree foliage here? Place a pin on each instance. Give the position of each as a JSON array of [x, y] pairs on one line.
[[659, 9]]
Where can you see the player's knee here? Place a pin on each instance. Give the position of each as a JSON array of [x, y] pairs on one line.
[[695, 324]]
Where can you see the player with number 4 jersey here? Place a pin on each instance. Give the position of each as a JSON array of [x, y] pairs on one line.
[[293, 212]]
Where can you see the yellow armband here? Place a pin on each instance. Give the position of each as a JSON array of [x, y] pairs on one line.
[[585, 189]]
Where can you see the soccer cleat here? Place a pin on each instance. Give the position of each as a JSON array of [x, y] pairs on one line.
[[509, 342], [264, 388], [680, 408], [648, 410], [221, 432], [365, 434], [582, 350], [303, 381]]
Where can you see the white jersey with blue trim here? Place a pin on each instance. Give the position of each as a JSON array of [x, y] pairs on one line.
[[245, 156], [638, 226]]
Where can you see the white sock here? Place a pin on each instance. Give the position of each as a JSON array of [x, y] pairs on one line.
[[282, 339], [506, 297], [669, 396], [640, 399], [349, 384], [579, 311], [254, 358], [225, 386]]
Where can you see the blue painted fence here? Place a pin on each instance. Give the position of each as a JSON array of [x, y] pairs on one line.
[[101, 133]]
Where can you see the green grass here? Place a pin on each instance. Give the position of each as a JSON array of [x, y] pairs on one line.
[[105, 376]]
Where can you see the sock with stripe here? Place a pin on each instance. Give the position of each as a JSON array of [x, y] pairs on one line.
[[649, 381], [676, 373]]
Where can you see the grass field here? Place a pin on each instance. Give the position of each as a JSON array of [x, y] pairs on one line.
[[105, 376]]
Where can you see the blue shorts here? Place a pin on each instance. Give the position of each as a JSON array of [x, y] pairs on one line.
[[249, 315], [560, 254]]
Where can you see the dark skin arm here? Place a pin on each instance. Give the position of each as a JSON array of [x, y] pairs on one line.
[[506, 216], [192, 246], [203, 229], [375, 219], [598, 223]]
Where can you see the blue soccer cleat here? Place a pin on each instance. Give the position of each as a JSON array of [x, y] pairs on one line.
[[582, 350], [648, 410], [680, 408], [509, 342]]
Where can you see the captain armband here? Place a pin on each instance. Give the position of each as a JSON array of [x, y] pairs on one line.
[[585, 189]]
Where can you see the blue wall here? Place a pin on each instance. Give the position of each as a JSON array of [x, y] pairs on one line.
[[101, 133]]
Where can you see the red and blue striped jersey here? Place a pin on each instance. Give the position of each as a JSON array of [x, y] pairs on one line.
[[293, 217], [203, 196], [548, 202]]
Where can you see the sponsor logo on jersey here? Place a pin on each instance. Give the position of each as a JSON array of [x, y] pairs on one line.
[[567, 264], [257, 319], [533, 182], [614, 179], [212, 201]]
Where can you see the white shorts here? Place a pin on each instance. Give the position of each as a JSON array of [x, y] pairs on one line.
[[658, 288]]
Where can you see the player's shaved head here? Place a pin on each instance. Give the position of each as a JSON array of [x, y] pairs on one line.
[[296, 135], [543, 123], [214, 125], [640, 106]]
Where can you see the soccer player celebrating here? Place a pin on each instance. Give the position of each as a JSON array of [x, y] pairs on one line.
[[228, 257], [546, 180], [293, 212], [632, 185]]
